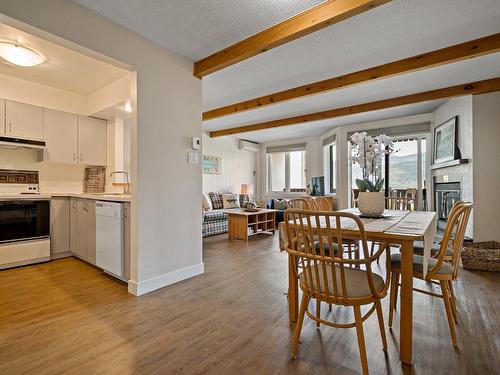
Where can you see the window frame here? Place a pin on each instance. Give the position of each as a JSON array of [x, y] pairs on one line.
[[287, 173], [330, 166]]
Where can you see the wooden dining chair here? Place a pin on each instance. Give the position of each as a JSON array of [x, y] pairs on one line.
[[400, 203], [440, 272], [299, 204], [327, 277], [323, 204], [396, 203], [418, 246]]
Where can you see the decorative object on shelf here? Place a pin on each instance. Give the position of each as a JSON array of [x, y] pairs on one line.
[[481, 256], [212, 164], [318, 185], [445, 146], [308, 189], [251, 209], [368, 152], [250, 205], [94, 180]]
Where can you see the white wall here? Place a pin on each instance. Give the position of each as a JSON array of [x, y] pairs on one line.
[[166, 195], [238, 166], [20, 90], [486, 155], [461, 107]]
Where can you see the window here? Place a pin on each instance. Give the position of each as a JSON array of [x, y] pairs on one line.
[[330, 164], [286, 169], [407, 169]]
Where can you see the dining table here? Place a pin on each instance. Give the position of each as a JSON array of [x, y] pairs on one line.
[[397, 228]]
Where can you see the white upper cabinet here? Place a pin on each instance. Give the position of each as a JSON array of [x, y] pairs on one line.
[[2, 117], [91, 141], [61, 137], [23, 121]]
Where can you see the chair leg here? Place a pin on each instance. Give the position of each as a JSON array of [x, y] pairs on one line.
[[452, 301], [452, 292], [318, 311], [380, 317], [361, 339], [449, 313], [300, 320], [393, 296]]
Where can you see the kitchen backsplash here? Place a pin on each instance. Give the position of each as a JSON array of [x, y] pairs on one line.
[[54, 177]]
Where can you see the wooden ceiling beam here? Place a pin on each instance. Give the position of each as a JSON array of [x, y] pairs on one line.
[[459, 52], [309, 21], [472, 88]]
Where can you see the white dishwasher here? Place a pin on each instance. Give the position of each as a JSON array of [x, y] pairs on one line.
[[109, 237]]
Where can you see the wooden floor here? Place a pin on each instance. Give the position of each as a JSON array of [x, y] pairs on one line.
[[67, 317]]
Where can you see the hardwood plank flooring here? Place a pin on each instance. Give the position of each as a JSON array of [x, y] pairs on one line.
[[67, 317]]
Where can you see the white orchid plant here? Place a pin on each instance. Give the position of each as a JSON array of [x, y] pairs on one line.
[[368, 152]]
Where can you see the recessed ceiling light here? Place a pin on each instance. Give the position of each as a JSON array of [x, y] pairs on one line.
[[20, 55]]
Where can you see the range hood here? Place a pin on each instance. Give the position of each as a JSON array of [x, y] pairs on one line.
[[15, 143]]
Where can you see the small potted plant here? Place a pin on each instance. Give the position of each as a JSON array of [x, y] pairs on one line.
[[368, 152]]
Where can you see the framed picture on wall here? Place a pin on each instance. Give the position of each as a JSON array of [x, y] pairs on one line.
[[212, 164], [445, 138]]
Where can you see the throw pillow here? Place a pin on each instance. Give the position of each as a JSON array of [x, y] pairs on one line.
[[231, 201], [279, 204], [206, 203], [216, 199]]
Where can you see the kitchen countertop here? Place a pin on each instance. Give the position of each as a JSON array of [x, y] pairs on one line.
[[110, 197]]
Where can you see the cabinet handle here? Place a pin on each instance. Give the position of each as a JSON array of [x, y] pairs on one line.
[[81, 156], [10, 127], [74, 156]]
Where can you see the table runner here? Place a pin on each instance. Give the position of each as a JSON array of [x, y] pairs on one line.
[[421, 223]]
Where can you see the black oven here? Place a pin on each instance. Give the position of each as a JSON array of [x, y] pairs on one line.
[[24, 220]]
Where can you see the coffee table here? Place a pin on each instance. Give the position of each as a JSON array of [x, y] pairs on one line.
[[242, 224]]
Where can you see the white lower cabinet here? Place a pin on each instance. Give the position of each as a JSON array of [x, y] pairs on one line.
[[126, 239], [72, 224], [59, 227], [2, 117], [73, 230], [82, 229]]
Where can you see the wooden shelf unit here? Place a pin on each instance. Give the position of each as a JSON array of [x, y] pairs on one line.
[[243, 224]]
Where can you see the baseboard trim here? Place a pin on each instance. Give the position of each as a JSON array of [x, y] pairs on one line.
[[160, 281]]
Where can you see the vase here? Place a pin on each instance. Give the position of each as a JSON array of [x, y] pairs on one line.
[[371, 204]]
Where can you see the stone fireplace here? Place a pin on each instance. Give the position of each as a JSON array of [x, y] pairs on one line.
[[446, 194]]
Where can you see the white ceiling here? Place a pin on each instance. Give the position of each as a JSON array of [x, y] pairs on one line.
[[197, 28], [447, 75], [399, 29], [64, 69]]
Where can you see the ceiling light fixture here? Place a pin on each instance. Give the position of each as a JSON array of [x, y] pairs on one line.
[[20, 55], [127, 107]]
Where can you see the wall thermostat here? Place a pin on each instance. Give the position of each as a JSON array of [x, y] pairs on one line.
[[195, 143]]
